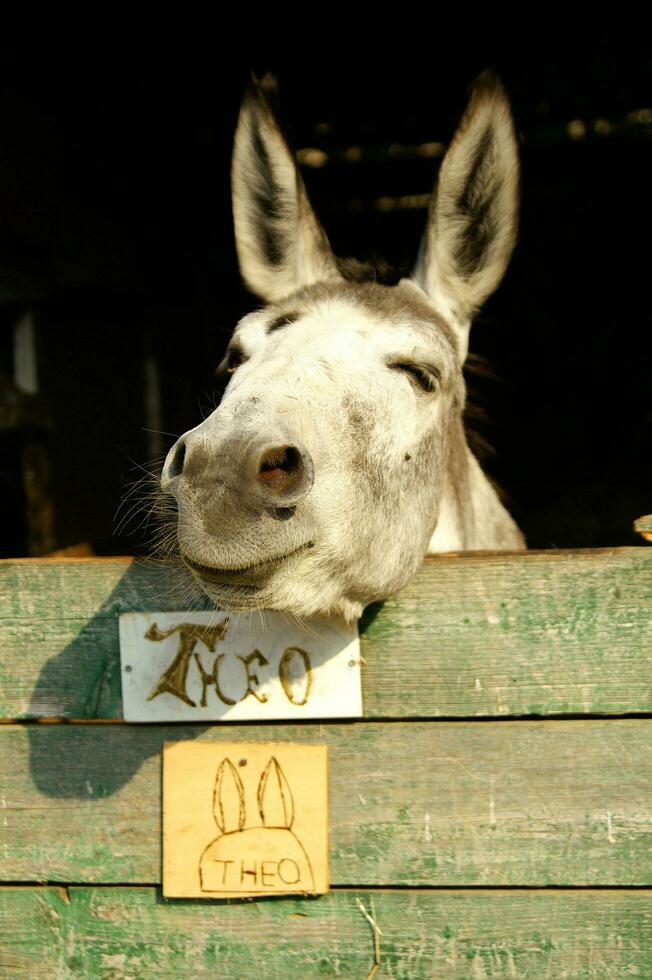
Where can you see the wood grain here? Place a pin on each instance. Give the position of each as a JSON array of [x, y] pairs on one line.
[[536, 633], [244, 819], [111, 933], [418, 804]]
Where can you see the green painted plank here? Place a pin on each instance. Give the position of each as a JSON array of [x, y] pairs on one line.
[[536, 633], [472, 635], [133, 932], [420, 803]]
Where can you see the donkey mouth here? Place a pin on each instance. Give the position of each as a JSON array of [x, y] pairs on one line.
[[249, 575]]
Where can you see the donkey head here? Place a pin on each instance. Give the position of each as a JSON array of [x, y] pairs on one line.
[[338, 450]]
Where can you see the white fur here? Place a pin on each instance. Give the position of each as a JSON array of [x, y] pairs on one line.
[[393, 476]]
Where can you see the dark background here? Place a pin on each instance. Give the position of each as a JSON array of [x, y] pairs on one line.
[[116, 238]]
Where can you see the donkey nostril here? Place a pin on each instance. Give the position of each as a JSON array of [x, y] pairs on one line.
[[283, 475], [177, 461], [279, 465]]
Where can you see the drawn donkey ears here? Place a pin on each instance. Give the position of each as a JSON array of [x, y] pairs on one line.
[[473, 210], [228, 798], [281, 244], [275, 801]]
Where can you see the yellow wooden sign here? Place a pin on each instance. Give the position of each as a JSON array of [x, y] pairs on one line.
[[244, 819]]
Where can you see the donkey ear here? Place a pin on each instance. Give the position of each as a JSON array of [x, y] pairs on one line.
[[228, 798], [275, 797], [281, 245], [473, 209]]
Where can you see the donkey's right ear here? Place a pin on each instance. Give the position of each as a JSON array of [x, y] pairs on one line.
[[281, 245]]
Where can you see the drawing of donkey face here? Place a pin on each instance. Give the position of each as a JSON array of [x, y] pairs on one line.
[[275, 858], [337, 456]]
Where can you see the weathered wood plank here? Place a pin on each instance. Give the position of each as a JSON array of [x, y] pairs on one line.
[[472, 635], [132, 932], [536, 633], [495, 803]]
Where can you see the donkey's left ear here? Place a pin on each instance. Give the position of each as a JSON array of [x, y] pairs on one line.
[[473, 210], [281, 245]]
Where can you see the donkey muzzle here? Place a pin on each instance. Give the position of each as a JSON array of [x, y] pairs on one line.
[[266, 471]]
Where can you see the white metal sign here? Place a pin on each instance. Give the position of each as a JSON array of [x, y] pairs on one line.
[[209, 666]]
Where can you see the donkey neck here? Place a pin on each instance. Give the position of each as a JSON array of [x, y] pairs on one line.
[[471, 516]]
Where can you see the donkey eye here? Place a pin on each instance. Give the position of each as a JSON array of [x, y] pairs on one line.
[[426, 378], [234, 358]]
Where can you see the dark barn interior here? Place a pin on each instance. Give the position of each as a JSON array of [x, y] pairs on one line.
[[119, 285]]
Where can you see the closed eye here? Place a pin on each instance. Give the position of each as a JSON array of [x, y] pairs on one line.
[[235, 356], [426, 377]]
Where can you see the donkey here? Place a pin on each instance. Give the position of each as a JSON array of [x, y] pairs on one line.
[[337, 456]]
